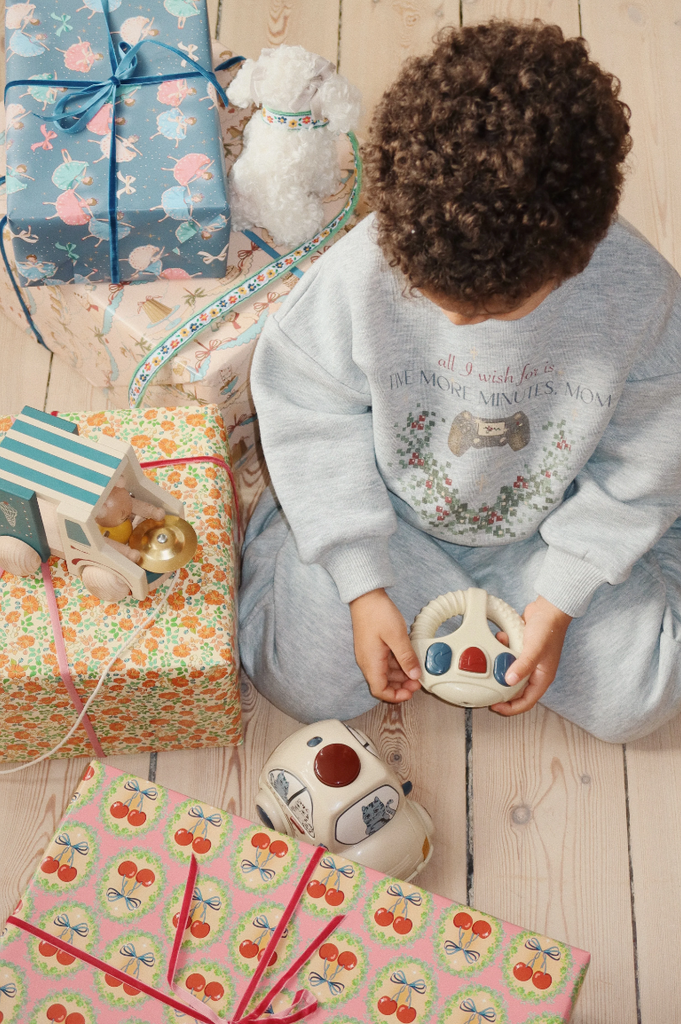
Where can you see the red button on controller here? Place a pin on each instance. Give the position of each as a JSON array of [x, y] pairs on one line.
[[337, 765], [473, 660]]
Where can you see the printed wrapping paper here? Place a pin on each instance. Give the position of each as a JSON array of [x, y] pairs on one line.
[[177, 687], [172, 208], [105, 331], [111, 882]]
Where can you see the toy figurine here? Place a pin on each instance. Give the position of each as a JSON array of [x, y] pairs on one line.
[[327, 784], [115, 520], [61, 494], [468, 667]]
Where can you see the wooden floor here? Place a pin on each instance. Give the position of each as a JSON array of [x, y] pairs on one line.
[[536, 821]]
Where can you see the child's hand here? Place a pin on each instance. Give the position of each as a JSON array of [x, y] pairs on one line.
[[382, 647], [545, 629]]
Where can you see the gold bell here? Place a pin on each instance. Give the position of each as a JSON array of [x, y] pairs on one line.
[[165, 546]]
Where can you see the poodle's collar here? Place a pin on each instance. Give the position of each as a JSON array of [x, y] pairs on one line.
[[293, 122]]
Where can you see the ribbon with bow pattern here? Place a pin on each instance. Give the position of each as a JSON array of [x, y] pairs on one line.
[[329, 864], [552, 952], [131, 902], [476, 1015], [68, 929], [135, 959], [70, 848]]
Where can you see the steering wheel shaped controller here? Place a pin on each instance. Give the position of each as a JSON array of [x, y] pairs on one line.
[[468, 667]]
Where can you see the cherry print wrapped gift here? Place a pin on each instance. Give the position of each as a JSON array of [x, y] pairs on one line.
[[177, 685], [114, 911], [115, 169]]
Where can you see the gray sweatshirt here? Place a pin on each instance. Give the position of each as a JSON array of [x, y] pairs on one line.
[[564, 422]]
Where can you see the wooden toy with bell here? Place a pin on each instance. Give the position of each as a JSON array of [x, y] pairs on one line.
[[90, 503]]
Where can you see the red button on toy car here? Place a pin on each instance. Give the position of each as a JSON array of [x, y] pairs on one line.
[[473, 660], [337, 764]]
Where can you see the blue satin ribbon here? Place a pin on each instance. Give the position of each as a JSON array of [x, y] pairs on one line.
[[123, 69]]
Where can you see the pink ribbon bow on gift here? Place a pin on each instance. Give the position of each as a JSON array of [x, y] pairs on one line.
[[302, 1005], [47, 135]]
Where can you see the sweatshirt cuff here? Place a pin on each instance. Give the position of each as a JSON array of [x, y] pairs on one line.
[[568, 582], [359, 567]]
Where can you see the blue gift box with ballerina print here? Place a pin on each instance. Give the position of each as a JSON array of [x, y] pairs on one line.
[[115, 167]]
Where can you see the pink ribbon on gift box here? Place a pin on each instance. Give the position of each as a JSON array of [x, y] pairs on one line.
[[302, 1005]]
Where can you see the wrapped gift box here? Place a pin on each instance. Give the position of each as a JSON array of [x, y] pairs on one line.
[[168, 176], [124, 337], [112, 883], [177, 686]]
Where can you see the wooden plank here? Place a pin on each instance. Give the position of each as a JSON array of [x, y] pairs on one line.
[[424, 741], [25, 369], [558, 12], [639, 42], [550, 847], [248, 27], [227, 777], [654, 777], [378, 35]]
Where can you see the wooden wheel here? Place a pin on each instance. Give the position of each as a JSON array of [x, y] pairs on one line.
[[18, 557], [104, 583]]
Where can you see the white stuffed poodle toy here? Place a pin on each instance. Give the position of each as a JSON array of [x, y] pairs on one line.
[[289, 161]]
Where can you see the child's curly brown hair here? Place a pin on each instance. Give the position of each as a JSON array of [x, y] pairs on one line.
[[494, 164]]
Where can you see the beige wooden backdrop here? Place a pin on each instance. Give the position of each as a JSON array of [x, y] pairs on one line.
[[536, 821]]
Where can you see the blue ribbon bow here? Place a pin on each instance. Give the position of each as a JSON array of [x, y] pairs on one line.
[[9, 990], [197, 812], [534, 944], [148, 959], [400, 978], [260, 921], [347, 871], [214, 902], [69, 249], [62, 921], [64, 19], [96, 94], [265, 873], [65, 840], [133, 786], [131, 902], [470, 955], [414, 898], [335, 987], [487, 1015]]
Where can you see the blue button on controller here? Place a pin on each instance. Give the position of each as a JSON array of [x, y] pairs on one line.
[[438, 659], [502, 662]]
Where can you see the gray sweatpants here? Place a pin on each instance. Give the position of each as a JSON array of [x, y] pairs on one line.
[[620, 672]]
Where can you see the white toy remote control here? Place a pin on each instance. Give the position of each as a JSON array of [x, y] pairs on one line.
[[468, 667]]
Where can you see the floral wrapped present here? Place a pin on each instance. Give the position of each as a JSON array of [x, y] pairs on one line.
[[125, 149], [177, 686], [115, 926], [179, 340]]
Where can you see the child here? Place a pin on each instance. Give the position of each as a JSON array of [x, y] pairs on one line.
[[479, 386]]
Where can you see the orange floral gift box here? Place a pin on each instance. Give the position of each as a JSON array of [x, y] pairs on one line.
[[177, 685], [191, 914]]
